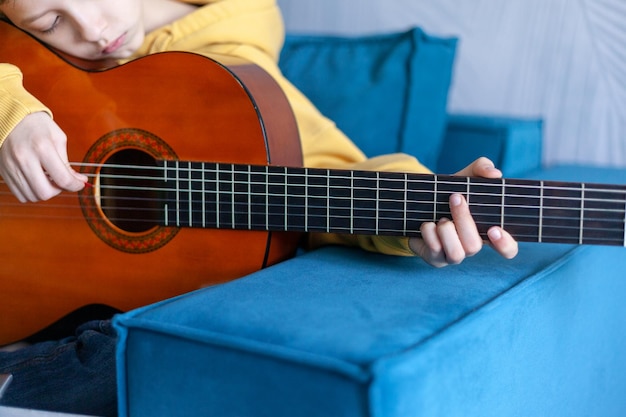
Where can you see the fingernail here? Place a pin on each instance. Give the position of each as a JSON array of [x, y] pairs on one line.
[[455, 200], [494, 233]]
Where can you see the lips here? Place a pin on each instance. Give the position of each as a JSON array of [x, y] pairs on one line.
[[115, 45]]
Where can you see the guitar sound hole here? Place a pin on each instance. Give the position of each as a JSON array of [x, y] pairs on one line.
[[129, 191]]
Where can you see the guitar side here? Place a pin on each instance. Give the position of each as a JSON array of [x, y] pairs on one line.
[[53, 261]]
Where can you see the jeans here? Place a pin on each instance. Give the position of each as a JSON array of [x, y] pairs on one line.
[[74, 375]]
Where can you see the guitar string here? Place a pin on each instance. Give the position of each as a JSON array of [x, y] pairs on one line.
[[548, 232], [461, 187], [363, 188], [246, 207], [232, 172], [555, 198], [337, 199], [315, 173], [556, 235], [414, 214], [588, 189]]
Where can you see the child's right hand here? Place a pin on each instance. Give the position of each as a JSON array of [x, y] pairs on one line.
[[33, 160]]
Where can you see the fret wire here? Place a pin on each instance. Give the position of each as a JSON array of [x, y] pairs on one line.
[[582, 213], [286, 202], [328, 200], [232, 197], [541, 212], [352, 202], [267, 198], [306, 200], [249, 197], [435, 198], [406, 198], [203, 193], [165, 206], [217, 196], [503, 192], [177, 194], [190, 197], [377, 200], [624, 224]]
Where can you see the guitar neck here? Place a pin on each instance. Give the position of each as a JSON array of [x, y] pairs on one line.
[[229, 196]]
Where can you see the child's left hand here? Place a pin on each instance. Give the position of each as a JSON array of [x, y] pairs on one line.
[[450, 241]]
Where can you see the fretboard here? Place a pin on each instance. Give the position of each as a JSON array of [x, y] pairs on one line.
[[227, 196]]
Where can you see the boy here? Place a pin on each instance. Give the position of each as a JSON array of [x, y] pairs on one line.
[[76, 374]]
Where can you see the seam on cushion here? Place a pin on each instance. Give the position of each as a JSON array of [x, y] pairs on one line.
[[353, 371], [490, 303], [295, 40], [408, 92]]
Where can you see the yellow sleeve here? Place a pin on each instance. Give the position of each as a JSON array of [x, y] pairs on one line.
[[15, 102]]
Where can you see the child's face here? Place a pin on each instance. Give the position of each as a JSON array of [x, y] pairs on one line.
[[88, 29]]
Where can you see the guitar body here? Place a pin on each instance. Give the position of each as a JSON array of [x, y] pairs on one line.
[[63, 254]]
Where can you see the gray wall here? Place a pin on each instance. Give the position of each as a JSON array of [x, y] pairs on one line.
[[562, 60]]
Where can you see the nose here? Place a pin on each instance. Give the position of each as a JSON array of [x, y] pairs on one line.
[[91, 25]]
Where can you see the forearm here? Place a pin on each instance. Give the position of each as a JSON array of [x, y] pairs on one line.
[[15, 102]]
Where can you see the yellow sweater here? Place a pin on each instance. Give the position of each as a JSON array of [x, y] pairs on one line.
[[252, 30]]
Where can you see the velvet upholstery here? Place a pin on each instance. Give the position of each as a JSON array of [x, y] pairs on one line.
[[514, 145], [339, 332], [387, 92]]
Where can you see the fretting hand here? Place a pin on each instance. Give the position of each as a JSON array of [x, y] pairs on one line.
[[450, 241]]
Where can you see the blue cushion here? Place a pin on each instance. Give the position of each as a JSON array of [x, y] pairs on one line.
[[514, 145], [387, 92], [573, 172], [336, 333]]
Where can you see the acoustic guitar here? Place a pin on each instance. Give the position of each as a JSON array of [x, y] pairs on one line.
[[196, 178]]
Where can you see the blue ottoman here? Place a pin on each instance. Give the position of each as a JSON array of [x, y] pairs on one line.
[[337, 332]]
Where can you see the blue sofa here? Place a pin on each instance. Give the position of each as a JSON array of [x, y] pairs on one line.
[[338, 332]]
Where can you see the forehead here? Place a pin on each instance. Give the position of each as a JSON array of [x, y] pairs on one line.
[[20, 10]]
